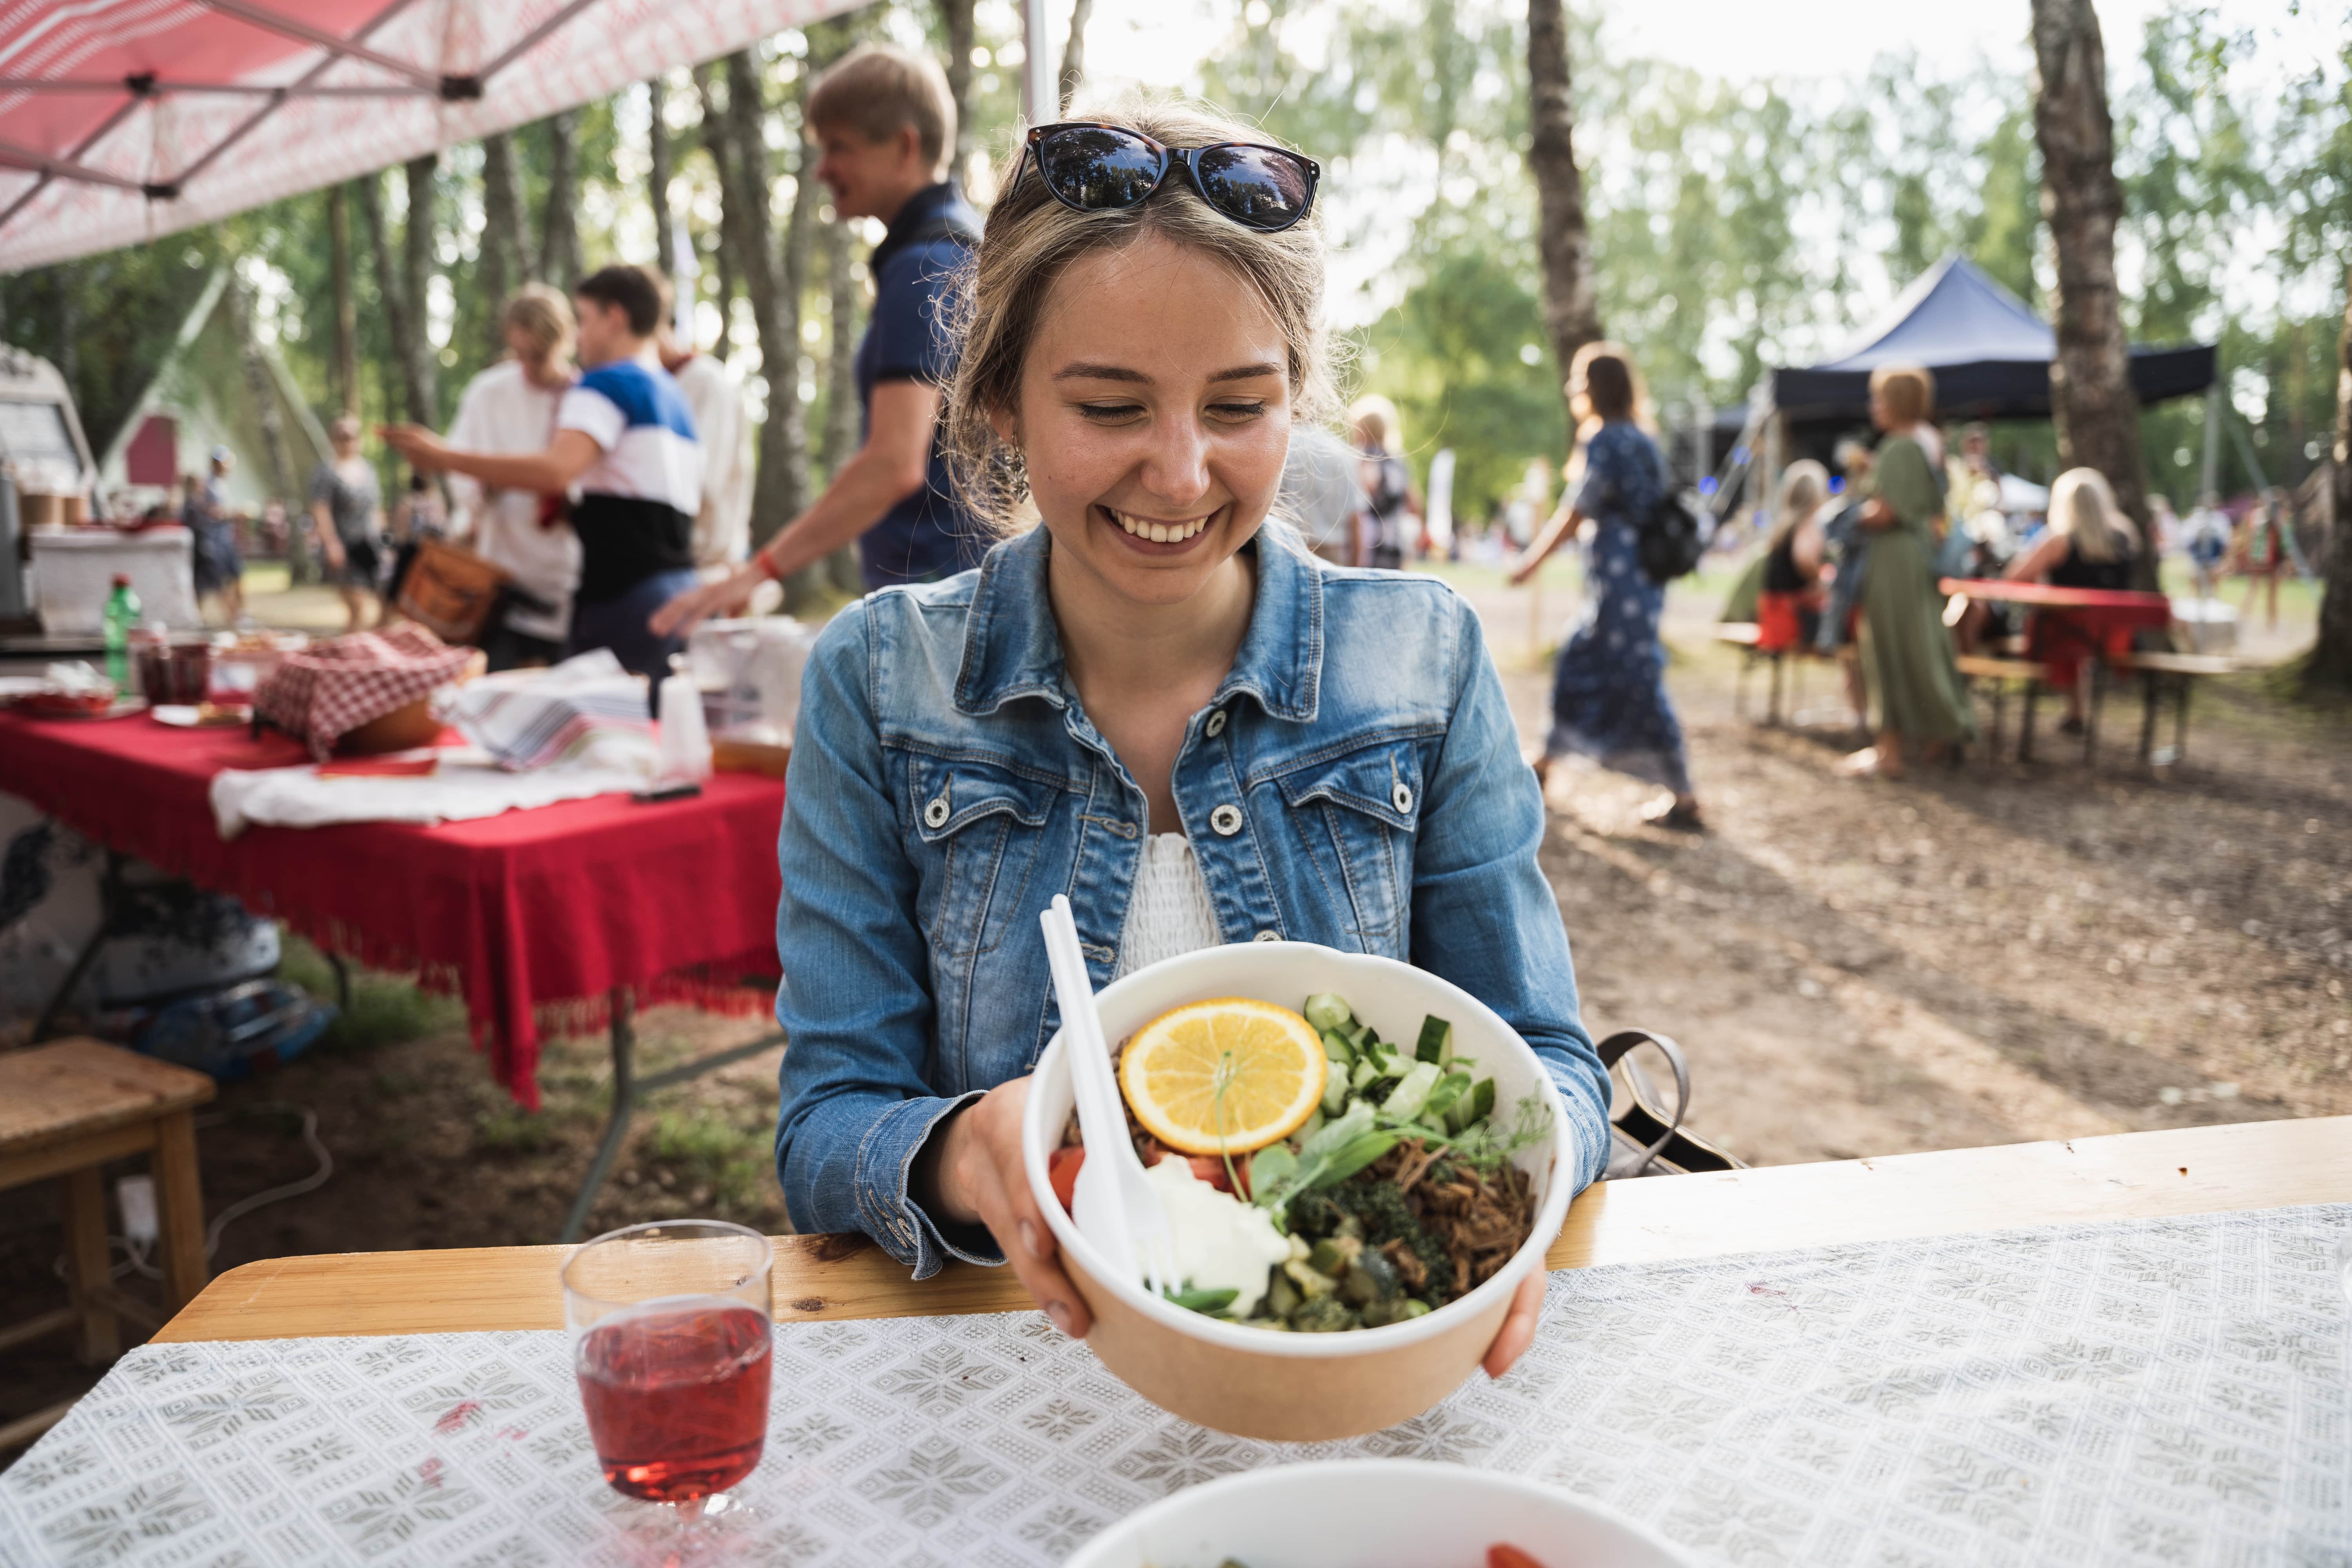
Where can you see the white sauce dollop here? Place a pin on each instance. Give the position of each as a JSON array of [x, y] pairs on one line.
[[1221, 1243]]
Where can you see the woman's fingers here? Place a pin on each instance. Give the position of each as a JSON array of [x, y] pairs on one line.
[[1518, 1329]]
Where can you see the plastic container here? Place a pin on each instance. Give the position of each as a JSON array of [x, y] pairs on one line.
[[682, 747], [1300, 1388], [1372, 1513]]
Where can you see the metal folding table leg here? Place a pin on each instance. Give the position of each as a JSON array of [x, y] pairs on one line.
[[110, 903], [628, 1090]]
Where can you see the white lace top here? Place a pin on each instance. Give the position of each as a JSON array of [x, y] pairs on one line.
[[1170, 913]]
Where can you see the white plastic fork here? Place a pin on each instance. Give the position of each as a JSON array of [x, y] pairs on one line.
[[1114, 1205]]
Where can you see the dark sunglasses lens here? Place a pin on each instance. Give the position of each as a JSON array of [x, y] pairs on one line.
[[1264, 187], [1097, 167]]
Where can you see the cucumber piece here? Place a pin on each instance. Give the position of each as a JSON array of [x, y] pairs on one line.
[[1368, 1069], [1436, 1042], [1337, 1048], [1335, 1091], [1203, 1300], [1412, 1092], [1475, 1106], [1443, 1099], [1328, 1010]]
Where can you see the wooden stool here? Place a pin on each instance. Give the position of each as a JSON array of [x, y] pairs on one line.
[[66, 1109]]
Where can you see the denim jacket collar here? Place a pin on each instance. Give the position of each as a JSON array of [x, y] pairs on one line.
[[1012, 648]]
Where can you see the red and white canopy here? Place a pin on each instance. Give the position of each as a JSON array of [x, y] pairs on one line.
[[122, 120]]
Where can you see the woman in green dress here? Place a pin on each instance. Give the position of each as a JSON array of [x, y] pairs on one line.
[[1905, 647]]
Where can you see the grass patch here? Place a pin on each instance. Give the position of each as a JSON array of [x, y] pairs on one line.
[[707, 1151], [511, 1130], [385, 1010]]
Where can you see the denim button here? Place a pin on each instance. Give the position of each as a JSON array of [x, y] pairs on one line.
[[1217, 722], [1267, 936], [936, 813], [1226, 820], [1400, 797]]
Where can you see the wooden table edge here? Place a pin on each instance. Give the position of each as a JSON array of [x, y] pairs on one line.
[[2168, 1172]]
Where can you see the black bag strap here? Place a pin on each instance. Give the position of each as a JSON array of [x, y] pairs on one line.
[[1614, 1049]]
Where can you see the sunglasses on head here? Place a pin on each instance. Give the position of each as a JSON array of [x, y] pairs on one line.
[[1106, 168]]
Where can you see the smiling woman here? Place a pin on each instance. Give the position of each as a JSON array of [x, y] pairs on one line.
[[1148, 697]]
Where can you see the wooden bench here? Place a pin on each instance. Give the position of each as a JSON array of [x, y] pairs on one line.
[[2173, 676], [1748, 636], [67, 1109], [2004, 672]]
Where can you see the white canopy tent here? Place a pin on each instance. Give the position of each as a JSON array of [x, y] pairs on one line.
[[123, 120]]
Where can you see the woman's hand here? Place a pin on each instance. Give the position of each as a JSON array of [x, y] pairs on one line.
[[1876, 515], [978, 1177], [1519, 1330], [419, 446], [1525, 567], [724, 597]]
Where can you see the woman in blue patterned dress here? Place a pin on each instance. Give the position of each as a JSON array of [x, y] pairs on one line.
[[1609, 691]]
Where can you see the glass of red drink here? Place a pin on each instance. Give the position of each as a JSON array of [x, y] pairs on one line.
[[670, 1331]]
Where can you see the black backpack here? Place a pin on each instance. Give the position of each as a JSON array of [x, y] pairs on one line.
[[1671, 539]]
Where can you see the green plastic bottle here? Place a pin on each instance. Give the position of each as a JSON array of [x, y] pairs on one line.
[[122, 615]]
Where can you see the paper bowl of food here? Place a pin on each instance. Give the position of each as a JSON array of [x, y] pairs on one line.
[[1361, 1163], [1375, 1513]]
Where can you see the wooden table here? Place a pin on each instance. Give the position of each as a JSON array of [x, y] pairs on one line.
[[2205, 1170]]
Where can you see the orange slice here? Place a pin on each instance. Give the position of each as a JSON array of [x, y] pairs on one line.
[[1222, 1076]]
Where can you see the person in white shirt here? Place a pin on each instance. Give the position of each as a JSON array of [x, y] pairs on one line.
[[722, 529], [512, 408], [624, 447]]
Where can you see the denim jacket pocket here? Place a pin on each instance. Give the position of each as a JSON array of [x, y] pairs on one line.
[[1355, 814], [976, 828]]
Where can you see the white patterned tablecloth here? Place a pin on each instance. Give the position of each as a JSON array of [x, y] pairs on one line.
[[2161, 1392]]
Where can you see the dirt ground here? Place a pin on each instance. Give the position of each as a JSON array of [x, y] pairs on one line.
[[1983, 954]]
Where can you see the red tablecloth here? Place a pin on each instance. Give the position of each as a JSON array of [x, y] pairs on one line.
[[530, 916], [2071, 625]]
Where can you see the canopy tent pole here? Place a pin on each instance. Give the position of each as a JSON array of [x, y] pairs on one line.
[[1040, 98]]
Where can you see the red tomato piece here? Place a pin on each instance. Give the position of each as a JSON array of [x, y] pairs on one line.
[[1062, 1173], [1501, 1556], [1212, 1170]]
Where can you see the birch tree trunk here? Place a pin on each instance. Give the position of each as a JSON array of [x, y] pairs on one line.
[[403, 317], [266, 410], [657, 146], [347, 313], [841, 411], [559, 242], [957, 17], [2091, 399], [779, 487], [415, 277], [1074, 52], [712, 134], [506, 226], [2329, 665], [1571, 307]]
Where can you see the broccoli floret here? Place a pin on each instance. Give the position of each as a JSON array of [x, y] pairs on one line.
[[1376, 1202], [1313, 1215]]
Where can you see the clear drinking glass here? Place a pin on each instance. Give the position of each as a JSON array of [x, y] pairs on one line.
[[671, 1324]]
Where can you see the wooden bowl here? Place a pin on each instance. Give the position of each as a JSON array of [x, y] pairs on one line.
[[1299, 1388]]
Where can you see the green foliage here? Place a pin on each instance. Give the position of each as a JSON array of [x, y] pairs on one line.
[[385, 1010], [1734, 225]]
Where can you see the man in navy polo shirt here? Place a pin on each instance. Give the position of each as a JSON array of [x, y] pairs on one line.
[[624, 445], [884, 125]]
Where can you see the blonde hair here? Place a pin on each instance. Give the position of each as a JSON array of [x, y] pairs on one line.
[[2083, 508], [1382, 415], [541, 313], [1031, 239], [879, 91], [1805, 490], [1909, 391]]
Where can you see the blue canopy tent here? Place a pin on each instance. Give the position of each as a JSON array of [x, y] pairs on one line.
[[1990, 352]]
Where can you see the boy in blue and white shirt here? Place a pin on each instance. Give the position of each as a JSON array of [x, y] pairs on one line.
[[625, 446]]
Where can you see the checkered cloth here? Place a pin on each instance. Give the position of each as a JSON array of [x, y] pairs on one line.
[[320, 692]]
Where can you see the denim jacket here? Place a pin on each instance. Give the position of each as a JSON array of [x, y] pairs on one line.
[[1355, 782]]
